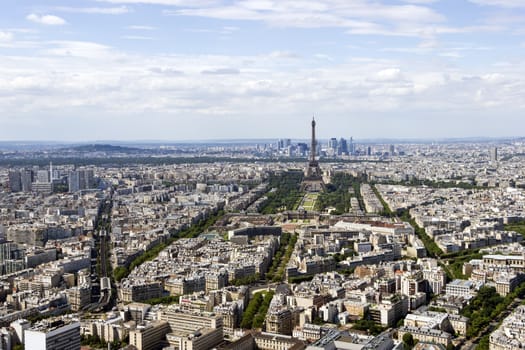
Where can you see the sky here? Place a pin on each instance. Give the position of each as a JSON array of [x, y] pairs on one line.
[[235, 69]]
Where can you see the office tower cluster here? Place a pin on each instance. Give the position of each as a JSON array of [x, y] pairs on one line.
[[81, 180], [20, 180], [47, 180], [341, 146], [334, 147], [31, 180]]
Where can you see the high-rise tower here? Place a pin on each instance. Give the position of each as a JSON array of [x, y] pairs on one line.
[[313, 146], [313, 181], [494, 154]]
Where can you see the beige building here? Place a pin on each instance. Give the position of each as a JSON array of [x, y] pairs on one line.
[[201, 339], [188, 322], [231, 316], [185, 285], [279, 321], [390, 310], [516, 262], [140, 292], [109, 330], [459, 323], [193, 330], [511, 334], [309, 332], [356, 308], [426, 335], [78, 297], [308, 299], [506, 283], [264, 341], [150, 336], [216, 281]]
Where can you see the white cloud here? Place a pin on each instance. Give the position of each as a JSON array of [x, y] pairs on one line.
[[221, 71], [322, 56], [494, 77], [414, 18], [451, 54], [283, 54], [95, 10], [420, 2], [6, 36], [359, 17], [77, 49], [141, 27], [103, 86], [388, 74], [428, 44], [500, 3], [164, 2], [20, 44], [49, 20], [21, 30], [227, 30], [166, 71], [137, 37], [199, 30]]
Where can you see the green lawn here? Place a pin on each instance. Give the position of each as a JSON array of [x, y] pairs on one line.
[[309, 200]]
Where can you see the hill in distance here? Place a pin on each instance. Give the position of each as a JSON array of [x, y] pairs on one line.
[[107, 148]]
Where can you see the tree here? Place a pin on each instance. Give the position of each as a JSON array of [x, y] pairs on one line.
[[408, 340], [120, 272]]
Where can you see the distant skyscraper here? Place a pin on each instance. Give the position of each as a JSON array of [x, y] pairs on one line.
[[283, 143], [494, 154], [74, 181], [15, 183], [26, 177], [392, 150], [343, 147], [351, 146], [332, 144], [302, 148], [42, 176], [20, 180], [369, 151], [87, 179], [81, 180]]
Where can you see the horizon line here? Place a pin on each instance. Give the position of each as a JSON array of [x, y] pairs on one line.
[[255, 140]]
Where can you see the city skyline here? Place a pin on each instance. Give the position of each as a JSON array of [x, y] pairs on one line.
[[244, 69]]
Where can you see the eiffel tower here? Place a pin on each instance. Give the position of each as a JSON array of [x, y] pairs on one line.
[[313, 180]]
